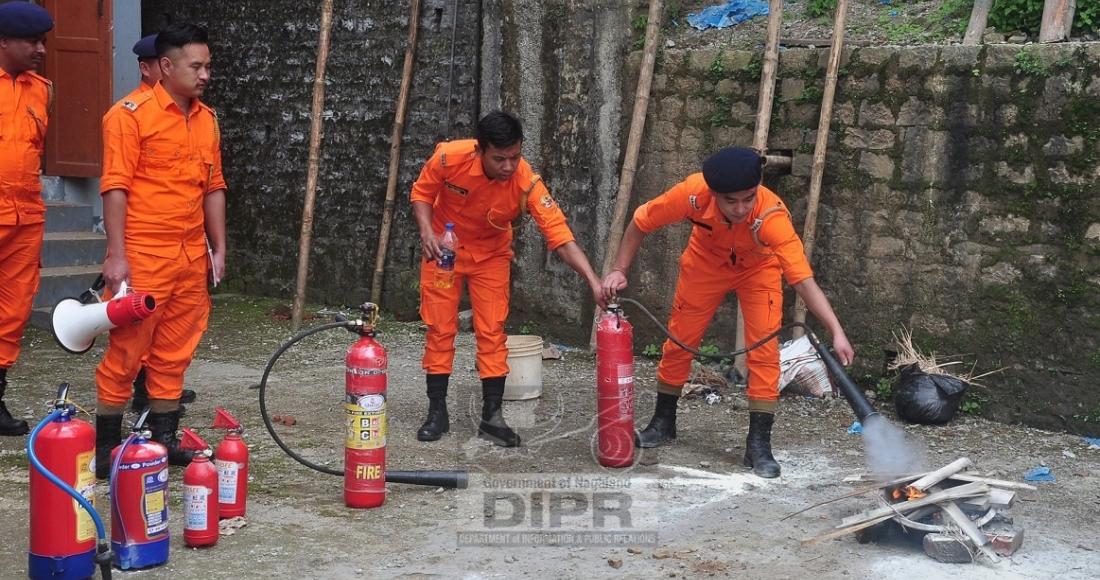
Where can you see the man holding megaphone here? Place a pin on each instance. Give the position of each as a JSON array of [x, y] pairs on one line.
[[163, 202]]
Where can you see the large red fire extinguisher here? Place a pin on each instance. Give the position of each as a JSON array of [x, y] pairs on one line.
[[615, 388], [62, 532], [231, 459], [200, 494], [139, 500], [365, 411]]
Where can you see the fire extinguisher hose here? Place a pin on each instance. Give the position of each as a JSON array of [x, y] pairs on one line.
[[103, 544], [456, 479]]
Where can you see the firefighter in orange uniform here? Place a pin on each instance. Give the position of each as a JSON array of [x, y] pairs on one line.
[[25, 103], [146, 52], [742, 240], [480, 185], [163, 202]]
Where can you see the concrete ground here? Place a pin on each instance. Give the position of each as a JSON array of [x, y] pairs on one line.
[[687, 510]]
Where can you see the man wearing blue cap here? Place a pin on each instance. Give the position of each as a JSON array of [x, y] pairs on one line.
[[742, 240], [146, 52], [25, 103]]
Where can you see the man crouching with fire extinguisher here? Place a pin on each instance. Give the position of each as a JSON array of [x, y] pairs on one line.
[[742, 240], [465, 200]]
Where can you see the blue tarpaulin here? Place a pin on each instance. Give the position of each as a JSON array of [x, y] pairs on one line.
[[1040, 473], [728, 14]]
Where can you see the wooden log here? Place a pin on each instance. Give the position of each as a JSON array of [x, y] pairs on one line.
[[312, 167], [1057, 20], [992, 482], [395, 153], [817, 174], [934, 477], [760, 135], [950, 494], [956, 515], [633, 144], [979, 15]]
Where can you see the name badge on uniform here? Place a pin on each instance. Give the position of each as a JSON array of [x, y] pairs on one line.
[[455, 188]]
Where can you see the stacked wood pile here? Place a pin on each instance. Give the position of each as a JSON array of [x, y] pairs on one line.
[[957, 516]]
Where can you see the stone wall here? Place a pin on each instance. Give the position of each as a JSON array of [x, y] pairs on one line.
[[264, 61], [960, 201]]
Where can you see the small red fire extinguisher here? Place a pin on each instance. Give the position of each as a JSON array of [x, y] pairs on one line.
[[615, 388], [231, 459], [365, 412], [200, 494], [139, 500]]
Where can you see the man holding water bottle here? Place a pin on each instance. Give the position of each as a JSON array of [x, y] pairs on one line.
[[478, 187]]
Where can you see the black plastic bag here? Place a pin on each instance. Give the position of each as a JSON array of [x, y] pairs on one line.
[[926, 398]]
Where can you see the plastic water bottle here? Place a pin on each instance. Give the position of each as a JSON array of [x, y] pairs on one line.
[[445, 266]]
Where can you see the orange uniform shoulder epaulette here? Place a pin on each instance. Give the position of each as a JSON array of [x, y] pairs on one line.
[[139, 100], [456, 151]]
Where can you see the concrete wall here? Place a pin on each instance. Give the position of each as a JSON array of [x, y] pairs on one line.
[[960, 201]]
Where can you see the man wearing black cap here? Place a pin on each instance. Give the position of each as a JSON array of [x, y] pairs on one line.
[[742, 241], [25, 102], [146, 52]]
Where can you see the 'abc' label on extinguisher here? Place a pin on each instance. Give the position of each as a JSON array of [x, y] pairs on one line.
[[366, 421]]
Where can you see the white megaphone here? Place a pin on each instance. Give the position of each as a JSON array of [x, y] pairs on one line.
[[76, 322]]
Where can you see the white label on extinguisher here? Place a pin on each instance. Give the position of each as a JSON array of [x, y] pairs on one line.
[[227, 480], [195, 498]]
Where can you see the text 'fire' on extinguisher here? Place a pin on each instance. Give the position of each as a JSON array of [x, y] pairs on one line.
[[231, 459], [615, 388], [365, 413], [200, 494]]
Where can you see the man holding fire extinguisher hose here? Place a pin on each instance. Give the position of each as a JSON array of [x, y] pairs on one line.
[[474, 189], [742, 240], [163, 202]]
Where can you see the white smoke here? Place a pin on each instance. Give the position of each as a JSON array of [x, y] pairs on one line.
[[890, 452]]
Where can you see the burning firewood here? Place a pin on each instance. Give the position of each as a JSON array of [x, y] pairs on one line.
[[954, 513]]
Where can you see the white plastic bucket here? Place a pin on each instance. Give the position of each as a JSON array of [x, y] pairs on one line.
[[525, 361]]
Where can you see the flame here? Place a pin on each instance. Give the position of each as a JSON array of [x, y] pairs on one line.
[[906, 493]]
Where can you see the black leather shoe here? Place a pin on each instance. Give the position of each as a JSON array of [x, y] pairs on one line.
[[9, 426], [758, 445], [437, 423], [164, 427], [108, 434], [662, 427]]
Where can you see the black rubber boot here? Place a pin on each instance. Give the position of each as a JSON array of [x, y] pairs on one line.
[[164, 426], [662, 427], [438, 422], [758, 446], [141, 395], [108, 434], [9, 425], [492, 426]]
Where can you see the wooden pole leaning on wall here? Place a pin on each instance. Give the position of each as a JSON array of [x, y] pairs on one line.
[[809, 227], [315, 127], [395, 155], [633, 142], [763, 125], [979, 16], [1057, 20]]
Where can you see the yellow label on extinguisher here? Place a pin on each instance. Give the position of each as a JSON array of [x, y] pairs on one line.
[[85, 486], [366, 422]]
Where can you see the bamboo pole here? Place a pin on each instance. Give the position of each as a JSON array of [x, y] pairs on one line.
[[395, 154], [760, 135], [315, 127], [1057, 20], [809, 228], [633, 142], [979, 15]]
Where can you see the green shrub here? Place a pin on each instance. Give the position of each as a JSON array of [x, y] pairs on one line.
[[819, 8]]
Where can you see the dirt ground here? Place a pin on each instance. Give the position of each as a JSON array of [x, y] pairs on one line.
[[695, 510]]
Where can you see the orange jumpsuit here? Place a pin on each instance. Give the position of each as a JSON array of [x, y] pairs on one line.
[[482, 210], [167, 161], [721, 257], [24, 108]]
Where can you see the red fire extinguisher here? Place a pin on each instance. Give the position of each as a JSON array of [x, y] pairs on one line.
[[231, 459], [139, 500], [615, 388], [365, 412], [62, 533], [200, 494]]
